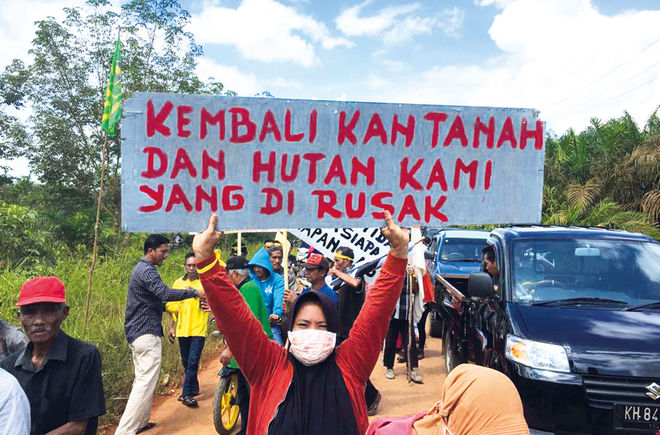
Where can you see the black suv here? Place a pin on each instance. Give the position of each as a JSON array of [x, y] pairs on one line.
[[573, 319]]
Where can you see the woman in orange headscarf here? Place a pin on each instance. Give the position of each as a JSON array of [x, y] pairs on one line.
[[475, 400]]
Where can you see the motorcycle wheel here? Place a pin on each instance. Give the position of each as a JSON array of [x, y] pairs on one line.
[[225, 405], [452, 357]]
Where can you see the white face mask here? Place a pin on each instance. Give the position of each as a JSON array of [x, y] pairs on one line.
[[311, 346]]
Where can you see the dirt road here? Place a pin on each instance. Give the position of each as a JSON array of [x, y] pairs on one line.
[[399, 397]]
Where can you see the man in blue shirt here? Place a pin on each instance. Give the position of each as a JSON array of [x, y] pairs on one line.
[[316, 269], [143, 328]]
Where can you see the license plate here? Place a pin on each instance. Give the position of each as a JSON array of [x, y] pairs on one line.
[[636, 417]]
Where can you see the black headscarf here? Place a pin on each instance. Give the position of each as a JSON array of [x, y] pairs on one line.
[[317, 402]]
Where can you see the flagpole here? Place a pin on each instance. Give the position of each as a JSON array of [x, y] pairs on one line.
[[111, 115], [96, 230]]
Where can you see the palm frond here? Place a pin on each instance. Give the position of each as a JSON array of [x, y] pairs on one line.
[[651, 204], [581, 196]]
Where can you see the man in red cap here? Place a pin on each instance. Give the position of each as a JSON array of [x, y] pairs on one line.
[[316, 269], [60, 375]]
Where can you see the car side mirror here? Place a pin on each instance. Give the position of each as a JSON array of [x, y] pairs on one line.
[[480, 285], [429, 255]]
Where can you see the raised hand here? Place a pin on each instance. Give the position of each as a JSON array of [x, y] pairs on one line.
[[397, 236], [205, 242]]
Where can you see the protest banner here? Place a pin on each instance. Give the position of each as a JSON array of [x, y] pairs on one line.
[[366, 243], [275, 163]]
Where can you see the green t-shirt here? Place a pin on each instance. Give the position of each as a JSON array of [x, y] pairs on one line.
[[252, 295]]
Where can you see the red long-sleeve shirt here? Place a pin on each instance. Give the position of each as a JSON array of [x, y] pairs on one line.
[[264, 363]]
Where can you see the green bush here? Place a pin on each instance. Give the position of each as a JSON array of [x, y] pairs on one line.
[[23, 238]]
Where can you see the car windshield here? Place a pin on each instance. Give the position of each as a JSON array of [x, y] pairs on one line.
[[614, 270], [462, 249]]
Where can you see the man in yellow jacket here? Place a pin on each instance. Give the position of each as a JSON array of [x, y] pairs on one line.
[[191, 325]]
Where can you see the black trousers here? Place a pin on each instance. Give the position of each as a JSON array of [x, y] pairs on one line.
[[421, 328], [370, 393], [243, 401], [397, 327]]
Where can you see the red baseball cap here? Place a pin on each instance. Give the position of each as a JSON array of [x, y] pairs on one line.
[[317, 261], [41, 289]]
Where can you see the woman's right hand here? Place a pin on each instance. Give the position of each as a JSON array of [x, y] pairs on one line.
[[205, 242], [397, 236]]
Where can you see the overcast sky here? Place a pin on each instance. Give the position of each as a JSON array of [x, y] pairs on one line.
[[570, 59]]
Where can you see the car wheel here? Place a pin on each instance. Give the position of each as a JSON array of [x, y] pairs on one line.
[[436, 326], [452, 357]]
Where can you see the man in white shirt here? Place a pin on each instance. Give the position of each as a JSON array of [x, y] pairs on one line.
[[14, 406]]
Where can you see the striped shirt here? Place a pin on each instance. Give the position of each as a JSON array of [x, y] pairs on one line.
[[401, 309], [144, 303]]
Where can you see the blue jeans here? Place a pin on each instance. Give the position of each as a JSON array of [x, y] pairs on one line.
[[191, 351], [277, 334]]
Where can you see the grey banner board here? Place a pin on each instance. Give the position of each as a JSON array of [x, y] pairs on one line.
[[278, 163]]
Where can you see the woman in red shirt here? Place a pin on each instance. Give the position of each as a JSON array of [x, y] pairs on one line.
[[313, 386]]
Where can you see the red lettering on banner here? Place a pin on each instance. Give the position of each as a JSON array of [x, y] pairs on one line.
[[537, 134], [270, 126], [407, 130], [456, 131], [293, 174], [177, 196], [507, 134], [437, 175], [274, 201], [468, 169], [218, 119], [290, 201], [375, 129], [488, 174], [155, 195], [344, 131], [211, 199], [377, 201], [354, 213], [326, 200], [258, 167], [436, 118], [336, 170], [433, 210], [209, 162], [182, 162], [152, 171], [232, 201], [288, 135], [407, 176], [155, 123], [368, 170], [488, 130], [312, 125], [182, 120], [240, 117], [312, 158], [409, 208]]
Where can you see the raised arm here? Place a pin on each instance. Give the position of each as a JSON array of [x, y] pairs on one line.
[[155, 285], [360, 351], [255, 354]]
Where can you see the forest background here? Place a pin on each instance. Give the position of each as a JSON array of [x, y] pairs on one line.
[[606, 175]]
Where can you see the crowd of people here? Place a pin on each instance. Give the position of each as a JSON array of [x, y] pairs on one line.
[[303, 346]]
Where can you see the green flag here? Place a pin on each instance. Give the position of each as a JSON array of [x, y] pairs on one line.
[[112, 106]]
